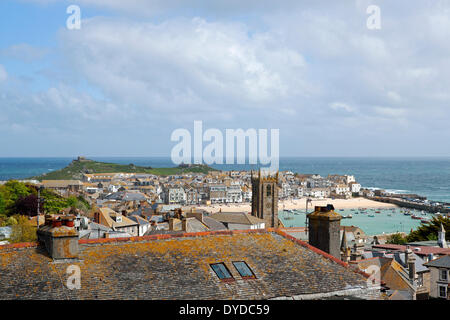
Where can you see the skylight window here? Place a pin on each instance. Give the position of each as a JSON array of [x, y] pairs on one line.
[[243, 269], [221, 271]]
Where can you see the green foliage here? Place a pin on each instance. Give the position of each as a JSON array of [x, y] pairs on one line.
[[76, 169], [11, 221], [2, 204], [23, 231], [10, 192], [429, 230], [16, 196], [396, 238]]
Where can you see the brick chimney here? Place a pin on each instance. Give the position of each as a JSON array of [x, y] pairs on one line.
[[59, 237]]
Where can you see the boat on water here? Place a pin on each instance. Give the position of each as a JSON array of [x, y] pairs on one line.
[[406, 213], [377, 211], [424, 220], [415, 217], [371, 215], [347, 216], [389, 214]]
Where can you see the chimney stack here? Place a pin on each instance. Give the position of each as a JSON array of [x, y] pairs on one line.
[[59, 237], [324, 230], [410, 261], [184, 224]]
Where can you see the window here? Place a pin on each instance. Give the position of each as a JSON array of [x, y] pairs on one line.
[[443, 275], [442, 292], [269, 190], [243, 269], [221, 271], [420, 280]]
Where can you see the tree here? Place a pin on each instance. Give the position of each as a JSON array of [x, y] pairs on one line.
[[396, 238], [429, 230], [27, 205], [23, 231], [2, 205], [11, 192]]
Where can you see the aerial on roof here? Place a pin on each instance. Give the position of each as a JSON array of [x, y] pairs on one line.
[[180, 267]]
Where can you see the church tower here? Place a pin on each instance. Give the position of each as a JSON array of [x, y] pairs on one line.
[[265, 199], [441, 238]]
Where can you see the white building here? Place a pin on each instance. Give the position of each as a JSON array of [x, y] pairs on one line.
[[341, 189], [174, 195], [318, 192], [234, 194], [285, 190], [355, 187], [349, 179]]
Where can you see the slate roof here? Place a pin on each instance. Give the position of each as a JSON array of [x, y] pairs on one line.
[[139, 220], [391, 272], [127, 196], [442, 262], [236, 217], [178, 267], [399, 257]]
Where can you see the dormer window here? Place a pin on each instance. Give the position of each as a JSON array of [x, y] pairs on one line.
[[244, 270], [221, 271]]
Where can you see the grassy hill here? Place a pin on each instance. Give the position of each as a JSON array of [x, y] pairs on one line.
[[77, 168]]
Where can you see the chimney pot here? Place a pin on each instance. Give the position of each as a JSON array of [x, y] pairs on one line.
[[60, 241]]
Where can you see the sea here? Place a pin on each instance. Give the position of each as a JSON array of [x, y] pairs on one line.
[[426, 176]]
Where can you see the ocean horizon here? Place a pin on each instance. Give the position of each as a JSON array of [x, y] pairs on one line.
[[427, 176]]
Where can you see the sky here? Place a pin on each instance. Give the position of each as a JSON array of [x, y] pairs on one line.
[[138, 70]]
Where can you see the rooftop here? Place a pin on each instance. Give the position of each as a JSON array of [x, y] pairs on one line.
[[442, 262], [178, 267]]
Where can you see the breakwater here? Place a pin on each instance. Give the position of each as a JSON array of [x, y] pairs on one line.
[[412, 205]]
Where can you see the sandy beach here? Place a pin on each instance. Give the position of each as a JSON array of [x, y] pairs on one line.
[[300, 204]]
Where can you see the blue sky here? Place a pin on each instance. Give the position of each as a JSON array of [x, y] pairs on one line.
[[137, 70]]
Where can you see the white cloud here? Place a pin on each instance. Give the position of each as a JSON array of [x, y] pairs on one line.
[[390, 112], [23, 52], [339, 106], [3, 74], [285, 63], [186, 65]]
